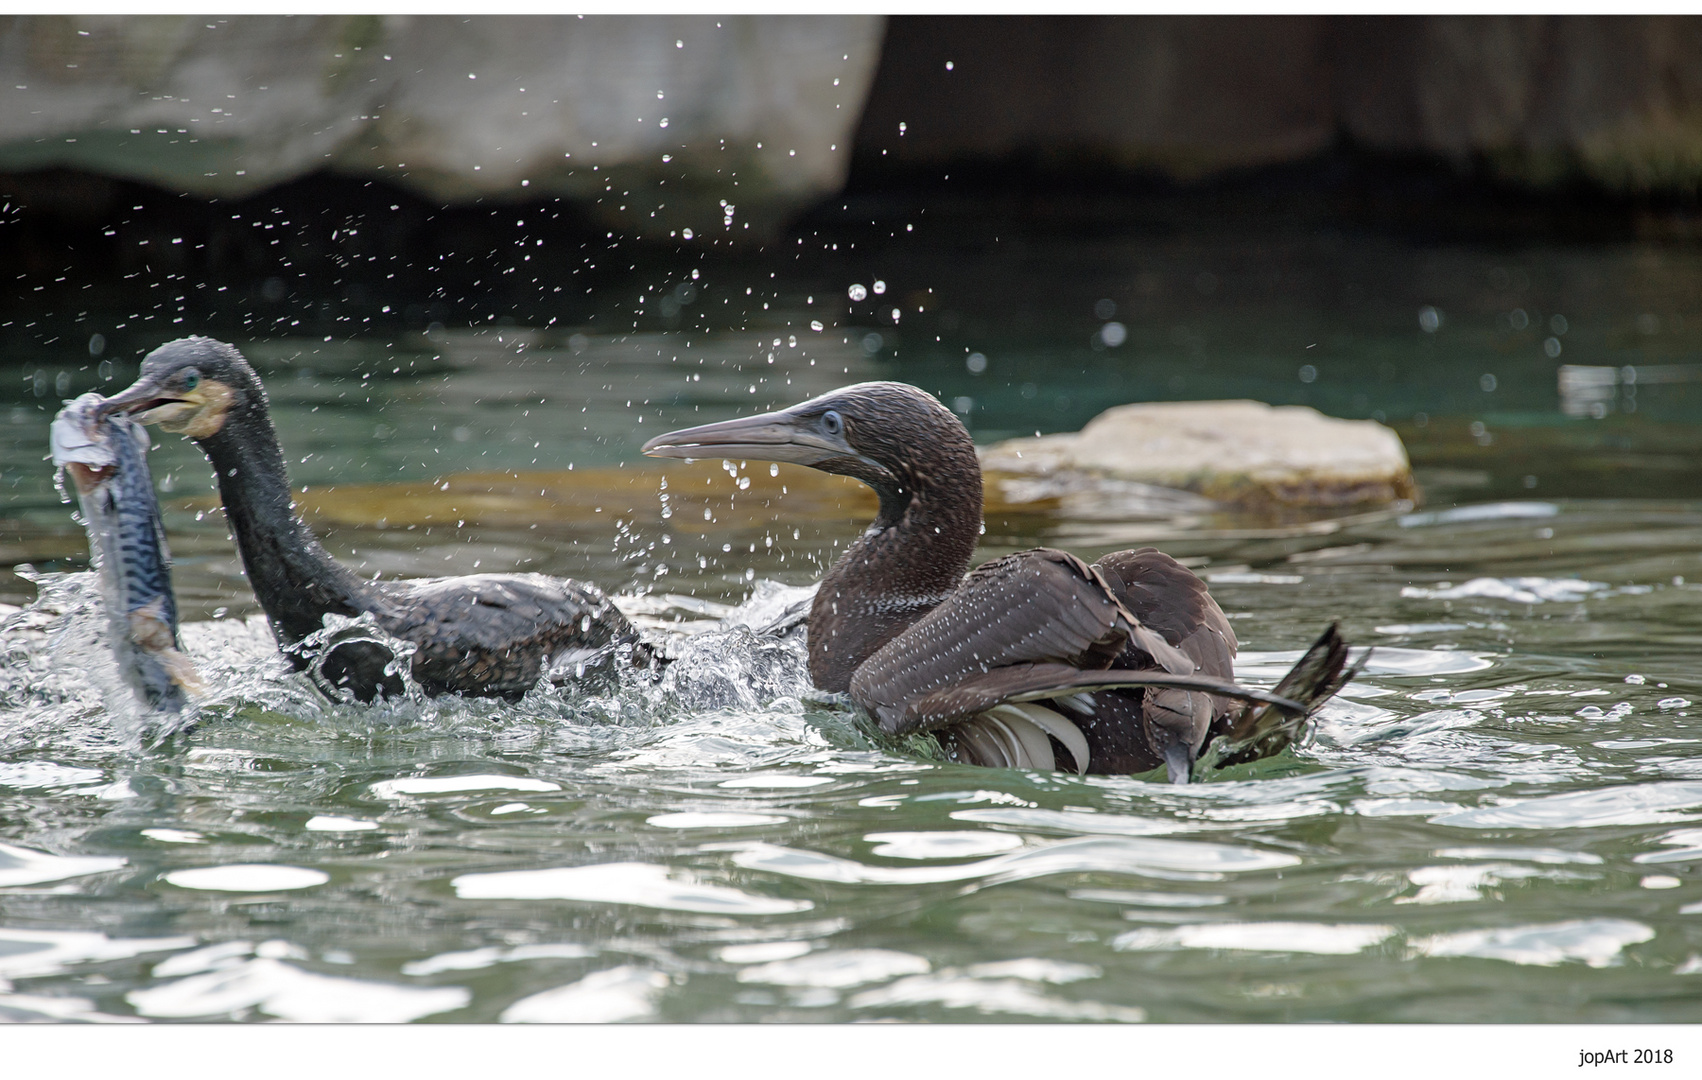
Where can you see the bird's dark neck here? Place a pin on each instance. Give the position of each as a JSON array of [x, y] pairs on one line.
[[910, 559], [294, 578]]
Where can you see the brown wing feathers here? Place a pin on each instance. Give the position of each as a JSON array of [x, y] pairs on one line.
[[1036, 622], [1039, 606], [1034, 682]]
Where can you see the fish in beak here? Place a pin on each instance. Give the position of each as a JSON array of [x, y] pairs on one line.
[[197, 410]]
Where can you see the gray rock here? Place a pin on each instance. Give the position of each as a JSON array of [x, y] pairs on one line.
[[1544, 99], [1242, 452], [659, 124]]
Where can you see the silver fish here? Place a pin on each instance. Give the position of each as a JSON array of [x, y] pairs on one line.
[[106, 458]]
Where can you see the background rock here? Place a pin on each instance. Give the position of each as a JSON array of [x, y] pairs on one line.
[[1612, 100], [1243, 452], [656, 122], [762, 111]]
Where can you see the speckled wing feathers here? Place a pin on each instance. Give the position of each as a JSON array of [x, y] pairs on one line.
[[1034, 606], [1171, 599], [1018, 625], [1037, 682]]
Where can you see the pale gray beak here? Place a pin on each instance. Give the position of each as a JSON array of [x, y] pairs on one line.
[[776, 436]]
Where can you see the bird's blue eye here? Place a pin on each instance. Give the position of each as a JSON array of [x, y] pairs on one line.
[[831, 422], [191, 380]]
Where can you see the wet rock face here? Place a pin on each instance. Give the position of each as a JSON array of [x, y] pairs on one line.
[[1546, 100], [648, 120], [1242, 452]]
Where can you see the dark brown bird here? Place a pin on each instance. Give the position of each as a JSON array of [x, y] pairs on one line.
[[1033, 659], [490, 635]]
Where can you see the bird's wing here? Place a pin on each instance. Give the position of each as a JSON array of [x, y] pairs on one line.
[[1038, 682], [1043, 609], [1171, 599], [1034, 606], [499, 612]]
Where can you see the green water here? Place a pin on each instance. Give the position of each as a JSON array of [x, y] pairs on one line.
[[1501, 820]]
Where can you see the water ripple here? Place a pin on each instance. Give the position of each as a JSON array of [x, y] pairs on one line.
[[1631, 804], [289, 993], [605, 997], [953, 989], [23, 866], [836, 970], [35, 953], [1109, 855], [1320, 938], [641, 884], [1596, 942]]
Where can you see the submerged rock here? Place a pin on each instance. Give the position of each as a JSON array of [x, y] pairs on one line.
[[1241, 452]]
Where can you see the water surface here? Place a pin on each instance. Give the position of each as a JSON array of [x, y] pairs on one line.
[[1501, 820]]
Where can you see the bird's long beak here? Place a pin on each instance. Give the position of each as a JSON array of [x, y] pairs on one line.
[[776, 436], [147, 402]]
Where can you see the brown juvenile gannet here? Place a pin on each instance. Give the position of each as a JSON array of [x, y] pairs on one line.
[[1033, 659]]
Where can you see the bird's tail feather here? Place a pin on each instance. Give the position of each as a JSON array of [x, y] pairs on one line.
[[1259, 731]]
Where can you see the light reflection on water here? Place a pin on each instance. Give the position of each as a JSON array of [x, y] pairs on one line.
[[1500, 806], [1498, 821]]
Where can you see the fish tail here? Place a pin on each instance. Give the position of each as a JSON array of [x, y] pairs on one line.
[[182, 671], [155, 636]]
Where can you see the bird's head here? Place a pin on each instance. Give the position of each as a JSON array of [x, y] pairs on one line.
[[889, 435], [189, 386]]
